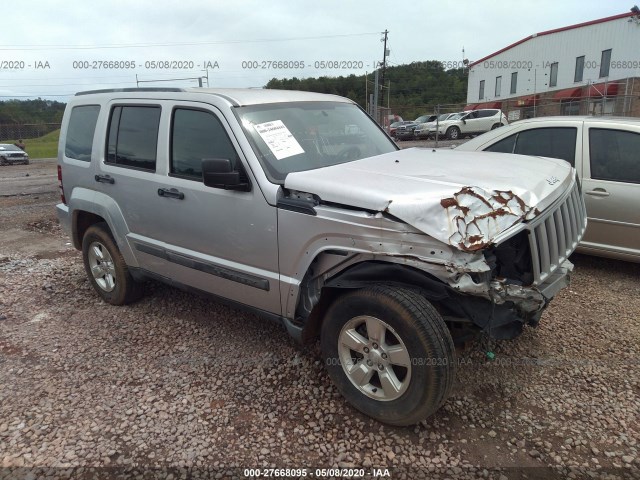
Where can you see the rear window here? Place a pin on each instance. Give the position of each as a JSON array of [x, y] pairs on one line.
[[80, 131], [133, 137]]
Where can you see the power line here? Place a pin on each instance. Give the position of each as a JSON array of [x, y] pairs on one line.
[[39, 96], [176, 44]]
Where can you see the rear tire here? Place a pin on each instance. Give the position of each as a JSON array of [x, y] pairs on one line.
[[389, 353], [106, 268]]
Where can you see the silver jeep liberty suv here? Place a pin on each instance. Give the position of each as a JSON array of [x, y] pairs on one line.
[[296, 205]]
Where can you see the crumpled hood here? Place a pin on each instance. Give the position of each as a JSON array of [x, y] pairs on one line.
[[464, 199]]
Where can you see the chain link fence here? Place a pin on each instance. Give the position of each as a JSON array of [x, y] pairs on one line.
[[620, 105], [22, 131]]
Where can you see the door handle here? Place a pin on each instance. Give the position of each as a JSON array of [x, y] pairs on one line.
[[170, 193], [105, 179], [598, 192]]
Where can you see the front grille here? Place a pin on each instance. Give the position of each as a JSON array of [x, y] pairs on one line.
[[555, 234]]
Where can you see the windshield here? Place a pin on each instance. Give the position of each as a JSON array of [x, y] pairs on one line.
[[297, 136], [457, 116], [422, 119], [443, 116]]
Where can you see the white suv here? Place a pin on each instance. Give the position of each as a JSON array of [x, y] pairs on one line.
[[470, 123], [423, 130]]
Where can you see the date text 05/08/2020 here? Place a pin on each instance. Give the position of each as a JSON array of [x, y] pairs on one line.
[[147, 64], [354, 473]]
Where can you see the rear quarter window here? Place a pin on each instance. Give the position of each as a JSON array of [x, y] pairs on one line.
[[506, 145], [80, 132]]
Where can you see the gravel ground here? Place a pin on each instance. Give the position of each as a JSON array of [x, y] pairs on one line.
[[177, 381]]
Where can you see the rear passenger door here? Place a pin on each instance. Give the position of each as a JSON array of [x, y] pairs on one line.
[[470, 123], [129, 172], [611, 188], [486, 119]]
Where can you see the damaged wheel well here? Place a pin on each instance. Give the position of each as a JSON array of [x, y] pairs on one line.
[[316, 295]]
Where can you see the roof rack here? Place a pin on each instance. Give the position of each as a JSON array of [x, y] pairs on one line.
[[143, 89]]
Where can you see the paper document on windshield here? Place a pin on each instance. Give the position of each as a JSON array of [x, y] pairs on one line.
[[279, 139]]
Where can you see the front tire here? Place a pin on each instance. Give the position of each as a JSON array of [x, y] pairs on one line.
[[106, 268], [389, 353], [453, 133]]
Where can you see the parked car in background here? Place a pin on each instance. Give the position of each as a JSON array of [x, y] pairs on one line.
[[405, 132], [422, 130], [11, 154], [606, 154], [473, 122], [394, 126]]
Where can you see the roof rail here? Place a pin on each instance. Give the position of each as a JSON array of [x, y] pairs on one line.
[[143, 89]]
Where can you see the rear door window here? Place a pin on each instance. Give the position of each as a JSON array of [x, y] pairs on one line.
[[554, 142], [614, 155], [486, 113], [80, 132], [133, 137]]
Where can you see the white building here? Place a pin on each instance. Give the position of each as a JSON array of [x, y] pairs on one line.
[[588, 68]]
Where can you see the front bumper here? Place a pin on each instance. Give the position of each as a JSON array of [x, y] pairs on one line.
[[15, 161], [404, 134]]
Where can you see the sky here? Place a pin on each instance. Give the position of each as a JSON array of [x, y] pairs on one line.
[[53, 49]]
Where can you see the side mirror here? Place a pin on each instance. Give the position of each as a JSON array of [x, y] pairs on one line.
[[464, 120], [218, 173]]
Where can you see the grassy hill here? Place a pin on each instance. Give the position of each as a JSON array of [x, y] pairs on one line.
[[41, 147]]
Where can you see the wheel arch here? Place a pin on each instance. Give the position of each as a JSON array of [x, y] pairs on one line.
[[89, 207], [363, 274], [81, 222]]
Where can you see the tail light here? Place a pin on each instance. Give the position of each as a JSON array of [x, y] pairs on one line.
[[60, 188]]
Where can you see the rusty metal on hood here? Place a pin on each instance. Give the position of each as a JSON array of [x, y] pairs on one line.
[[464, 199], [477, 216]]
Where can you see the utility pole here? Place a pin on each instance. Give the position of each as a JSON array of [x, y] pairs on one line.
[[375, 111], [366, 91], [384, 64]]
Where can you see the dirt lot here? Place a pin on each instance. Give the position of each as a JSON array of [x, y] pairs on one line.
[[177, 384]]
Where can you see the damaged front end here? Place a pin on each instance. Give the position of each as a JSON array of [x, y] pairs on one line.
[[503, 264], [528, 262]]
